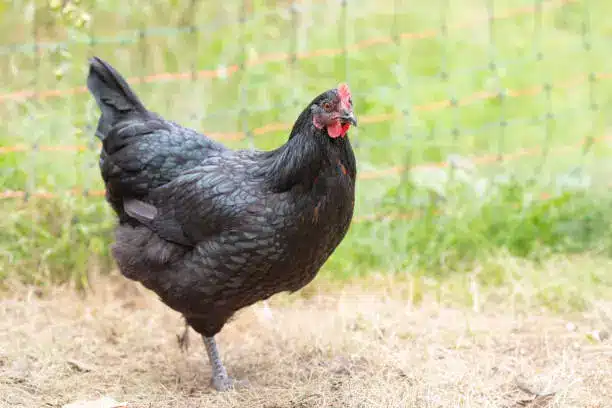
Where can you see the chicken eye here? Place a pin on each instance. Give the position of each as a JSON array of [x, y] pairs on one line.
[[327, 106]]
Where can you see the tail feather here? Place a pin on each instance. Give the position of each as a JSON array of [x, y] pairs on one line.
[[114, 96]]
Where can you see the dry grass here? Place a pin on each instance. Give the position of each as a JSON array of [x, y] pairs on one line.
[[349, 348]]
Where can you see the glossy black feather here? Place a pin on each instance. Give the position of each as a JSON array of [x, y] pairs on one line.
[[212, 230]]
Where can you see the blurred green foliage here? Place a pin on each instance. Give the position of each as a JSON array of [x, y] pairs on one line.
[[526, 75]]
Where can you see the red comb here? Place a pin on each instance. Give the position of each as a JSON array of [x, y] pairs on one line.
[[345, 95]]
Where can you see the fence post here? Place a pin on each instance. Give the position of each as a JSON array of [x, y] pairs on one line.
[[587, 45], [242, 85], [494, 70]]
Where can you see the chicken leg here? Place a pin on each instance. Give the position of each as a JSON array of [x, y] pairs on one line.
[[220, 380]]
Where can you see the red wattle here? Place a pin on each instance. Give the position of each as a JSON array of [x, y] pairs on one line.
[[337, 129]]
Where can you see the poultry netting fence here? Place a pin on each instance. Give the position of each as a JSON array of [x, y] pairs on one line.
[[460, 104]]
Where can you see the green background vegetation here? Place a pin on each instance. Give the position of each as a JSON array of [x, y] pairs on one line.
[[465, 83]]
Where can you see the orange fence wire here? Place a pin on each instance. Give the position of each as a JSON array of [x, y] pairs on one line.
[[375, 118], [284, 56], [477, 160], [414, 215]]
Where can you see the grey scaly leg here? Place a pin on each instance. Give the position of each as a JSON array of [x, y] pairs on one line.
[[183, 339], [220, 380]]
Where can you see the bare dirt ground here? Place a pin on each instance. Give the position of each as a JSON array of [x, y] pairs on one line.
[[348, 348]]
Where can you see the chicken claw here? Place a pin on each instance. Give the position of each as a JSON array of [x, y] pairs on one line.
[[183, 339], [220, 380], [228, 383]]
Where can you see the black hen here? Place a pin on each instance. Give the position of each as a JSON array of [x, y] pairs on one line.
[[212, 230]]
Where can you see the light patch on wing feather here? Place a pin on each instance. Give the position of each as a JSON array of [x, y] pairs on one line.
[[140, 210]]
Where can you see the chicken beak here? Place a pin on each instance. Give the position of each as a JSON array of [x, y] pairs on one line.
[[349, 117]]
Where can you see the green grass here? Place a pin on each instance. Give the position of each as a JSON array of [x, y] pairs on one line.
[[551, 68]]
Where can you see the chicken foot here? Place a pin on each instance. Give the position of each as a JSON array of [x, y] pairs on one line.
[[220, 380]]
